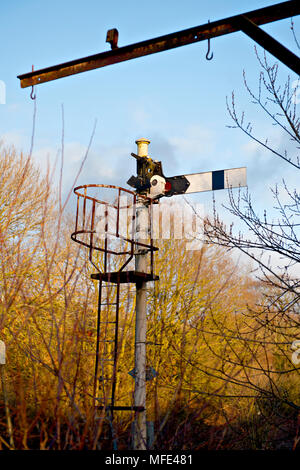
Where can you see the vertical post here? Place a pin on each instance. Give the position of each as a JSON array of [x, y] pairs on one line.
[[140, 433]]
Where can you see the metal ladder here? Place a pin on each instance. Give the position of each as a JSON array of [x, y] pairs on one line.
[[105, 378], [107, 349]]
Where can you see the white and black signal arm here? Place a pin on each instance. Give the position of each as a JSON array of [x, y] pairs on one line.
[[150, 180]]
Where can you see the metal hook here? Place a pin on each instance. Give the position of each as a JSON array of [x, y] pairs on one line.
[[208, 51], [32, 95]]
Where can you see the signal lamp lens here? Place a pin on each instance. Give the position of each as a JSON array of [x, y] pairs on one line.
[[168, 186]]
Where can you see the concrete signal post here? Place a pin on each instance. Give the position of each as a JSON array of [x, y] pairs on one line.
[[140, 432]]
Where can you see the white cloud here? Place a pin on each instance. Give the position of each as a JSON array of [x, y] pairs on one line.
[[16, 139], [195, 140]]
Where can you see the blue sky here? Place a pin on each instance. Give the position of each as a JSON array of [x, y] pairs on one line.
[[177, 98]]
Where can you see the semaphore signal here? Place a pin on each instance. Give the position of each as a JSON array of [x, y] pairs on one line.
[[150, 185]]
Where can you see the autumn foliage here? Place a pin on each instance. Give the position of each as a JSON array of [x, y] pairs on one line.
[[212, 389]]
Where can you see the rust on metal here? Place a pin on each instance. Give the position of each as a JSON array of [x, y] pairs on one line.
[[84, 232], [162, 43], [112, 37], [102, 255]]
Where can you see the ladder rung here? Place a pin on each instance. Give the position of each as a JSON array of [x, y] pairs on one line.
[[109, 303], [120, 277], [123, 408]]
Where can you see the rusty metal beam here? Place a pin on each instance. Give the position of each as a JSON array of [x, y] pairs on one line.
[[270, 44], [162, 43]]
